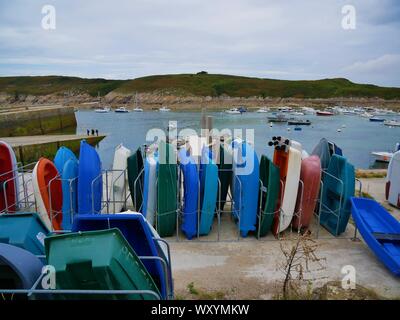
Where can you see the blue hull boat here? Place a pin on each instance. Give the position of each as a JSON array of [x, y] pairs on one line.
[[62, 156], [19, 269], [67, 166], [380, 230], [191, 193], [138, 234], [90, 180], [245, 187], [209, 191], [69, 189]]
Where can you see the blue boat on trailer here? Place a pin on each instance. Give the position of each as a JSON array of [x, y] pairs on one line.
[[380, 230]]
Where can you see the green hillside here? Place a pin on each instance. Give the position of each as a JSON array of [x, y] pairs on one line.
[[56, 85], [202, 84]]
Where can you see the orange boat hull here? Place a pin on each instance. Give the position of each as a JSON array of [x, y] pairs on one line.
[[51, 196]]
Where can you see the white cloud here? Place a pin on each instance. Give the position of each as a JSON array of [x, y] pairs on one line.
[[130, 38]]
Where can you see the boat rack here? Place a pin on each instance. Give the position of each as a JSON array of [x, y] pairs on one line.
[[25, 197], [236, 215]]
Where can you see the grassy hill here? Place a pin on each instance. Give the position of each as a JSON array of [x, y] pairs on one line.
[[198, 85]]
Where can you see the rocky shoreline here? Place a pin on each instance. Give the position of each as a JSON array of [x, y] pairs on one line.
[[155, 100]]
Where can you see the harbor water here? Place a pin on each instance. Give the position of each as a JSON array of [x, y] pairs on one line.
[[357, 136]]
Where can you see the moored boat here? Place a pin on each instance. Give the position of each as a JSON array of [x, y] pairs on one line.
[[233, 111], [103, 110], [324, 113], [299, 122], [121, 110], [392, 123]]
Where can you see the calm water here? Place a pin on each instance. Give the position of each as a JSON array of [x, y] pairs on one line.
[[357, 139]]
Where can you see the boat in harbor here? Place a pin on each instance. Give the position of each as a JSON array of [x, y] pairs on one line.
[[233, 111], [299, 122], [164, 109], [263, 110], [297, 113], [137, 107], [376, 119], [121, 110], [382, 156], [278, 118], [102, 110], [392, 123], [324, 113]]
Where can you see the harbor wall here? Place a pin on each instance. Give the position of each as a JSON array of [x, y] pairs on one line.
[[27, 154], [37, 122]]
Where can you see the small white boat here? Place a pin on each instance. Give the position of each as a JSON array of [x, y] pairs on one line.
[[103, 110], [285, 109], [382, 156], [164, 109], [137, 108], [121, 110], [233, 111], [297, 113], [392, 123], [263, 110], [119, 178], [366, 115]]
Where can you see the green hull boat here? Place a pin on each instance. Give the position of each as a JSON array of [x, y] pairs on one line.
[[269, 175], [224, 175], [167, 190], [98, 260]]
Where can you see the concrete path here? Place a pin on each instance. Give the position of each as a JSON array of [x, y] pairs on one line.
[[376, 188]]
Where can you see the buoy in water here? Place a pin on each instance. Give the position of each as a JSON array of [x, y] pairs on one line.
[[339, 130]]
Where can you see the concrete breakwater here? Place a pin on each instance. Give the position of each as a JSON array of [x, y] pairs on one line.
[[36, 121], [29, 149]]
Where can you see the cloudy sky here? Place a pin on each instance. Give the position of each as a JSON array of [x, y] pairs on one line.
[[122, 39]]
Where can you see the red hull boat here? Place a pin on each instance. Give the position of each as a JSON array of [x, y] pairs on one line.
[[311, 176]]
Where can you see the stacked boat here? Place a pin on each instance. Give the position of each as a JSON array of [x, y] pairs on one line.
[[68, 197]]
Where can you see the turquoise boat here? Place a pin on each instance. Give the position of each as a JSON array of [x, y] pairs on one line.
[[338, 188], [209, 191], [24, 230], [98, 260]]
